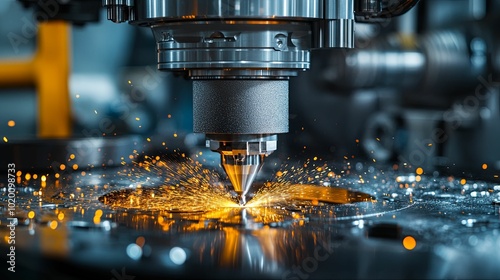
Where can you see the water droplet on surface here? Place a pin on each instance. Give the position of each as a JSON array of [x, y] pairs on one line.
[[134, 251], [469, 222], [473, 240], [177, 255]]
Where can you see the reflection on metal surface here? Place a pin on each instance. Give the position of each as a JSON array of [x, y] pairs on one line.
[[446, 214], [286, 193], [286, 205], [189, 199], [266, 250]]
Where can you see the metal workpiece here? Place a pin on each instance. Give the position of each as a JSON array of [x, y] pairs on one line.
[[113, 216], [240, 106]]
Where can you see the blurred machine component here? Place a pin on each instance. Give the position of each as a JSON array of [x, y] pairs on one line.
[[40, 86], [48, 70], [74, 11], [240, 55], [447, 80], [381, 10]]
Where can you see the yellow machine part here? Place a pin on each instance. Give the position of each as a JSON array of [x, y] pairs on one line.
[[48, 71]]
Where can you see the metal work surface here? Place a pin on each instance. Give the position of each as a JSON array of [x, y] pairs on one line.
[[162, 218]]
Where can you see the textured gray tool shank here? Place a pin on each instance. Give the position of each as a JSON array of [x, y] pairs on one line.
[[240, 106]]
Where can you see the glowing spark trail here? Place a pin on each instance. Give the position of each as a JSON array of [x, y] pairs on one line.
[[190, 188]]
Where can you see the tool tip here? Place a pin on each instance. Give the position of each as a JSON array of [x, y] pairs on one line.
[[242, 199], [242, 171]]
